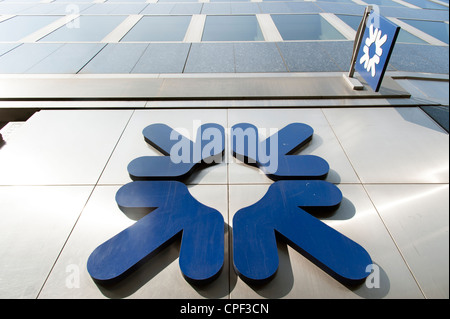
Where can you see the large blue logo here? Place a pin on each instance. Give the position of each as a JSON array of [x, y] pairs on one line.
[[285, 212]]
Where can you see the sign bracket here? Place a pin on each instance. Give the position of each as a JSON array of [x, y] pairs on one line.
[[354, 83]]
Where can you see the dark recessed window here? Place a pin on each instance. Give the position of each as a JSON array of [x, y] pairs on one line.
[[232, 28], [339, 1], [403, 36], [159, 28], [305, 27], [425, 4], [406, 37], [436, 29], [18, 27], [74, 1], [388, 3], [85, 28], [350, 20], [175, 0]]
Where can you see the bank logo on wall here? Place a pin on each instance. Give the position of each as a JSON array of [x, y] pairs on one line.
[[284, 213]]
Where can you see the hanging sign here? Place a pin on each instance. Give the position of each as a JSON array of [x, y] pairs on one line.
[[376, 48]]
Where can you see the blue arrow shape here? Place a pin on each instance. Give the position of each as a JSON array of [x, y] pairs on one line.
[[165, 139], [202, 243], [279, 211], [282, 165]]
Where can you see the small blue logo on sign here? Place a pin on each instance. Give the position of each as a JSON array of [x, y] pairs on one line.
[[285, 210], [377, 44]]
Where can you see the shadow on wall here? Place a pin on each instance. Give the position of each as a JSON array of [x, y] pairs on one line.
[[436, 119], [434, 91]]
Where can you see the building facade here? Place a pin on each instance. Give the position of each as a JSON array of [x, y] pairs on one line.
[[81, 80]]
